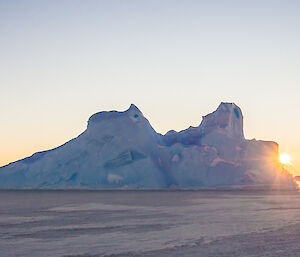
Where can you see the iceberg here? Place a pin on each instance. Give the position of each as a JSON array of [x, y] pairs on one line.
[[122, 150]]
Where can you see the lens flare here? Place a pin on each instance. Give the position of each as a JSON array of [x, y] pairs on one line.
[[285, 158]]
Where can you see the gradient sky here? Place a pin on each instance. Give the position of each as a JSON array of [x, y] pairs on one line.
[[61, 61]]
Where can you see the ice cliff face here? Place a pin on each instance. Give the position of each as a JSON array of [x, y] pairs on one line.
[[121, 149]]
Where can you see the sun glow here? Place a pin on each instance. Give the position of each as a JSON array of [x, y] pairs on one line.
[[285, 158]]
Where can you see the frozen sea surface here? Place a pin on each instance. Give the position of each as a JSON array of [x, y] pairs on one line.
[[149, 223]]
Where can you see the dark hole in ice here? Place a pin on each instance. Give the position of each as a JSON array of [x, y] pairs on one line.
[[236, 112]]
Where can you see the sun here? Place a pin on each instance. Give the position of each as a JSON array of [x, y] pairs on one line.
[[285, 158]]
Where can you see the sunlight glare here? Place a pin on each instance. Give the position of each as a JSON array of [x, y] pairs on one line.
[[285, 158]]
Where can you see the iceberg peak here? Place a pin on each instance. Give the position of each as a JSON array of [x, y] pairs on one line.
[[112, 115], [134, 108], [227, 119]]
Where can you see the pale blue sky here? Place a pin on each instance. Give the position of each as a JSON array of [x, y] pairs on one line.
[[61, 61]]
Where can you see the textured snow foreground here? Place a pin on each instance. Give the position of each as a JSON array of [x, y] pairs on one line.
[[144, 223], [121, 149]]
